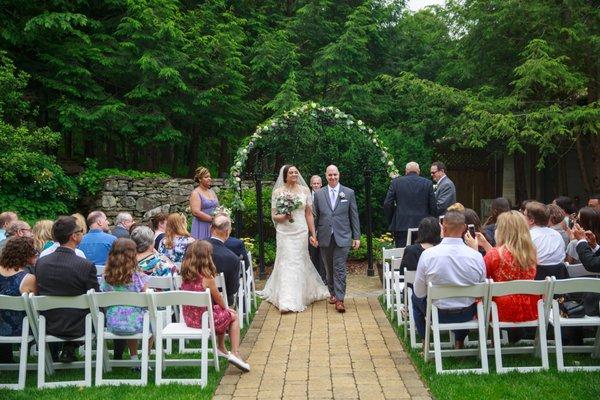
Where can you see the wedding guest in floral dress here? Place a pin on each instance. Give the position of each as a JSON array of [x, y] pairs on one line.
[[177, 238], [121, 274], [203, 202], [198, 273]]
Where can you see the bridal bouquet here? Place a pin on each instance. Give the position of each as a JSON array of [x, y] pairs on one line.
[[221, 210], [287, 202]]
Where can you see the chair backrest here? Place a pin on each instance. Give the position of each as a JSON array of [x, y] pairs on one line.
[[409, 276], [578, 271], [520, 287], [392, 253], [396, 262], [576, 285], [436, 292], [181, 297], [13, 303], [250, 264], [107, 299], [161, 282], [220, 281], [177, 281], [99, 270], [44, 303], [411, 235]]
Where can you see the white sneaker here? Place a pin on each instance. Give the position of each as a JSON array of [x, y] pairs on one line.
[[221, 354], [239, 363]]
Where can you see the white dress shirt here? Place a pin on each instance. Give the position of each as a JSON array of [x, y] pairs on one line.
[[549, 244], [451, 262], [55, 246], [336, 190]]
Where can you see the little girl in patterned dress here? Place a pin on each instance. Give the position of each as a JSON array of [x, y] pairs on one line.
[[122, 274], [198, 273]]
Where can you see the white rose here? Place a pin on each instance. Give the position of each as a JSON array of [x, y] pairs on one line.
[[238, 164], [266, 128], [238, 179], [370, 130], [244, 151], [390, 163], [359, 122], [375, 141]]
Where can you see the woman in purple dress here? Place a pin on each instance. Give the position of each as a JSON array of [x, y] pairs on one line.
[[203, 202]]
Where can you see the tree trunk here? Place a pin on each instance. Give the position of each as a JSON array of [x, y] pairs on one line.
[[520, 183], [192, 158], [223, 156], [585, 178]]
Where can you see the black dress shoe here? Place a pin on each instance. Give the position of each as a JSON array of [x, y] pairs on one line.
[[67, 355]]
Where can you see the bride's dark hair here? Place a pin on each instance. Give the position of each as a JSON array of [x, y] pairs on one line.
[[286, 168]]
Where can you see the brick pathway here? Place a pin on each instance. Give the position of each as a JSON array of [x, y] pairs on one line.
[[321, 354]]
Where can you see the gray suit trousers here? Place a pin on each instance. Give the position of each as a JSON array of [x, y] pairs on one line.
[[334, 259]]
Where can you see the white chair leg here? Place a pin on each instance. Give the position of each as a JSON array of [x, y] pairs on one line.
[[543, 341], [497, 344], [437, 347], [158, 368], [145, 348], [42, 353], [560, 364], [23, 354], [100, 350], [204, 360], [88, 350], [482, 339]]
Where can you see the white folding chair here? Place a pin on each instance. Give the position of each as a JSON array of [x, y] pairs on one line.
[[220, 282], [163, 283], [251, 281], [579, 271], [240, 296], [434, 292], [527, 287], [411, 235], [409, 277], [109, 299], [388, 254], [398, 287], [44, 303], [99, 270], [15, 303], [575, 285], [179, 330]]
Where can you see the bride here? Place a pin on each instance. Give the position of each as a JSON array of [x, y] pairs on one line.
[[294, 282]]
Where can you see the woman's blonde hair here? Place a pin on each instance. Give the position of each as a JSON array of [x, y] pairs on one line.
[[42, 232], [176, 226], [456, 207], [201, 172], [121, 263], [513, 233], [198, 262], [80, 222]]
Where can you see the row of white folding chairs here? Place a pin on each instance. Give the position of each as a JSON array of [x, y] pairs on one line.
[[163, 328], [389, 270], [487, 315]]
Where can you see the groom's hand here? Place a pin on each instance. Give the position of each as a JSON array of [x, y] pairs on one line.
[[355, 244]]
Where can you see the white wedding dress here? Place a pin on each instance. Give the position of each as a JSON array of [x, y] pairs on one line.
[[294, 283]]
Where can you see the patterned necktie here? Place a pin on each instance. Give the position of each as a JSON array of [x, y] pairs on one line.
[[332, 198]]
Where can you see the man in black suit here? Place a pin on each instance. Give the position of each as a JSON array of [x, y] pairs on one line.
[[63, 273], [409, 199], [238, 248], [225, 260], [315, 252]]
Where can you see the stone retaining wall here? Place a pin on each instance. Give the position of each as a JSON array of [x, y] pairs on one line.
[[146, 197]]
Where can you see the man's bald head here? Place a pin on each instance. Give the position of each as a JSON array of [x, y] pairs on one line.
[[333, 175], [412, 167], [221, 226]]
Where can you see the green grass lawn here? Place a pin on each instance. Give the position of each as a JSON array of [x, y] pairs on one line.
[[535, 385], [149, 392]]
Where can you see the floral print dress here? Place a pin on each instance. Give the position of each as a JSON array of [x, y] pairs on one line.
[[193, 315], [11, 321], [176, 252], [125, 320]]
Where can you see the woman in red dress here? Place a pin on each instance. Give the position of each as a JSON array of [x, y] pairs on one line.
[[198, 273], [514, 258]]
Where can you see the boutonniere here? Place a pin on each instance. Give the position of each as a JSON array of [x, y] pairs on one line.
[[435, 186], [342, 195]]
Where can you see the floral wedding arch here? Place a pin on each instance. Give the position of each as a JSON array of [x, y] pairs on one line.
[[281, 123]]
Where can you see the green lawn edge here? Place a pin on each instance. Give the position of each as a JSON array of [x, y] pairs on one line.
[[515, 386]]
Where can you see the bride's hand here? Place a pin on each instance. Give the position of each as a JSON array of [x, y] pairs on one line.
[[313, 241]]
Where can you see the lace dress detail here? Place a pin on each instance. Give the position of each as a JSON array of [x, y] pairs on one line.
[[294, 283]]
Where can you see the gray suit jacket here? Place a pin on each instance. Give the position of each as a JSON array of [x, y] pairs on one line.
[[445, 195], [342, 221]]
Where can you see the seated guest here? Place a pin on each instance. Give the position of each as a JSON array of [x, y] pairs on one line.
[[429, 236], [63, 273], [556, 221], [5, 219], [471, 218], [14, 281], [122, 275], [456, 207], [550, 246], [42, 234], [513, 258], [16, 229], [499, 205], [589, 220], [524, 205], [81, 222], [123, 222], [149, 260], [97, 242], [159, 224], [198, 273], [451, 262], [176, 239], [55, 245], [594, 201], [238, 248], [588, 249], [225, 260], [566, 204]]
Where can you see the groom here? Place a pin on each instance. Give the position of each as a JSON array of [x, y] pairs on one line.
[[336, 220]]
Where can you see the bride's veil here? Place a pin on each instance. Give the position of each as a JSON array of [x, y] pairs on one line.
[[279, 183]]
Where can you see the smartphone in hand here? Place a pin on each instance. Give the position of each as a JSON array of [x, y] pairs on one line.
[[471, 229]]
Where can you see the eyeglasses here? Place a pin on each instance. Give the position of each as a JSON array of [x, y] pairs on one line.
[[77, 231]]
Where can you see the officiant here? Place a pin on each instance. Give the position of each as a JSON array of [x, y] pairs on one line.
[[315, 253]]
